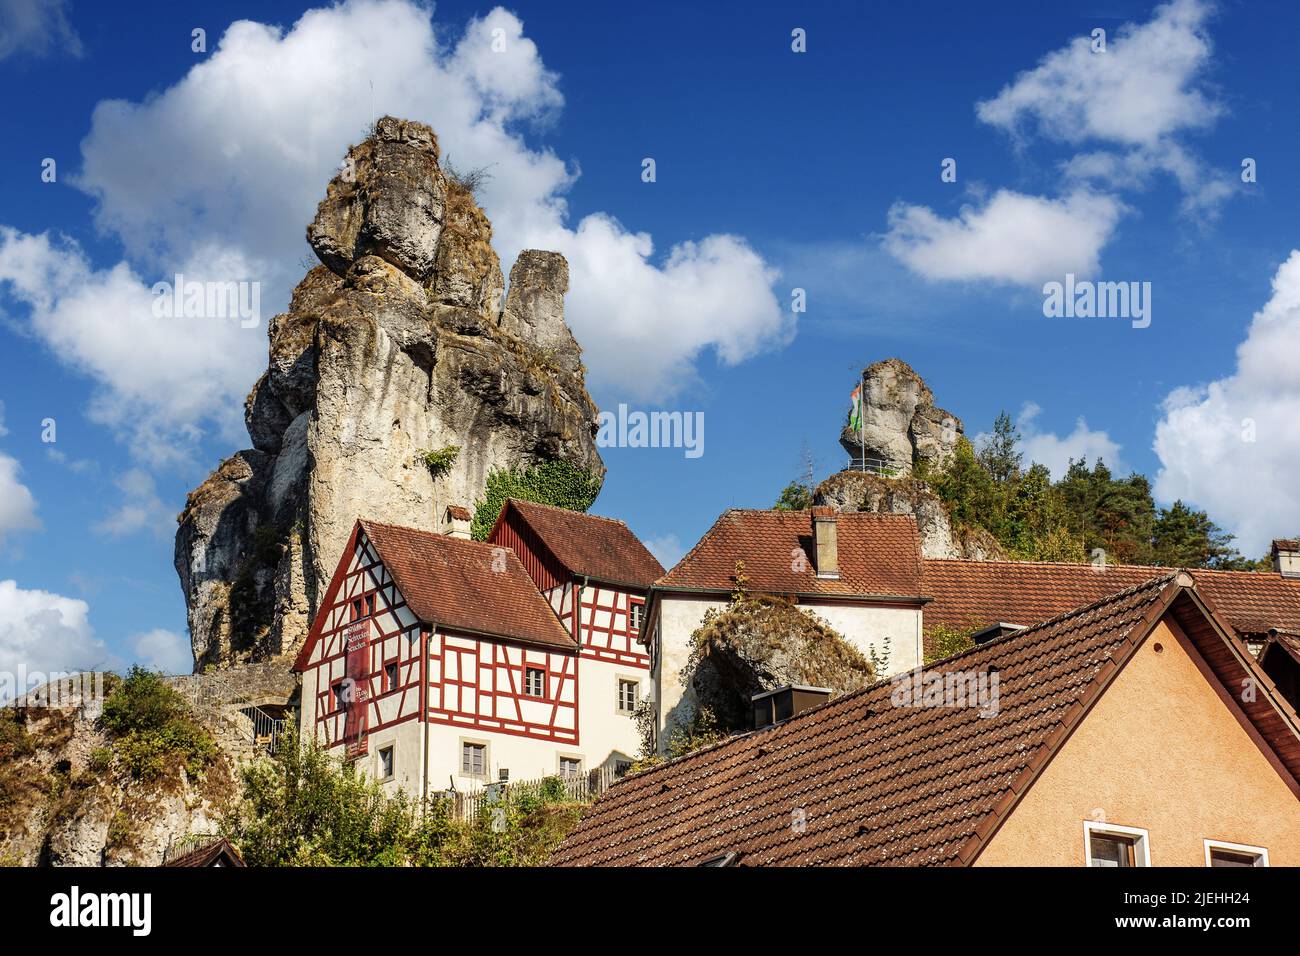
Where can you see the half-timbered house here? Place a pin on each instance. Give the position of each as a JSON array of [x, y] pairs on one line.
[[596, 574], [436, 662]]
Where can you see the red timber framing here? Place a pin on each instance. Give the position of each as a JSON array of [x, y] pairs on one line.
[[473, 681], [602, 629], [389, 634], [480, 684]]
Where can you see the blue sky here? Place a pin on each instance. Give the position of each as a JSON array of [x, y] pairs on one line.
[[775, 170]]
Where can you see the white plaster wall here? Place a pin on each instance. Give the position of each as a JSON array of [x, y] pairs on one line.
[[866, 626], [606, 734]]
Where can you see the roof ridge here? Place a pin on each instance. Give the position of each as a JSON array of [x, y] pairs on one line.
[[1152, 568], [438, 535], [569, 511]]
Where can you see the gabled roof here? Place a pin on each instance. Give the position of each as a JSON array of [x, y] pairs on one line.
[[467, 585], [218, 853], [894, 785], [879, 555], [976, 593], [604, 549]]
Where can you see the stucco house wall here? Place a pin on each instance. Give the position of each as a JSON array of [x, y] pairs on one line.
[[1159, 751]]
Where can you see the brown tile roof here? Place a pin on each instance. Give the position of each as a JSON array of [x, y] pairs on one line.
[[878, 555], [452, 583], [890, 785], [976, 593], [209, 855], [459, 512], [604, 549]]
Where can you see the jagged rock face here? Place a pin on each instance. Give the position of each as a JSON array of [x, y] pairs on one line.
[[760, 644], [396, 345], [863, 491], [901, 427]]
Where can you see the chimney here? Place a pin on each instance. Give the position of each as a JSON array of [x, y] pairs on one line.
[[455, 522], [774, 706], [1286, 557], [827, 553]]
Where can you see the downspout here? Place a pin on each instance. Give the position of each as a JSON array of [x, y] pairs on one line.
[[425, 641]]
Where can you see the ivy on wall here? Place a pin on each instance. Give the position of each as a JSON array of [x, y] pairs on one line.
[[550, 483]]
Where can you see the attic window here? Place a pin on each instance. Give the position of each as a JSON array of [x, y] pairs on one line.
[[1109, 845], [1219, 853], [726, 859], [634, 616]]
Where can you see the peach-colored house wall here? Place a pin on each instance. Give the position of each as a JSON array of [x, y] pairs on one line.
[[1162, 752]]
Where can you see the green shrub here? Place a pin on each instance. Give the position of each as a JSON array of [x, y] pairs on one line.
[[152, 728], [551, 483], [439, 460]]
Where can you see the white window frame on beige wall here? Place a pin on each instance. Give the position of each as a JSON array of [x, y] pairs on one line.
[[559, 765], [1258, 852], [1141, 840], [619, 679], [487, 758], [379, 762]]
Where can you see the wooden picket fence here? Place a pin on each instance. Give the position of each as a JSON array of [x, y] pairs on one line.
[[579, 788]]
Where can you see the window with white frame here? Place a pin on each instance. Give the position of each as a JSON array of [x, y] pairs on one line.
[[627, 695], [1111, 845], [634, 616], [570, 767], [1221, 853], [386, 763], [473, 759], [535, 681]]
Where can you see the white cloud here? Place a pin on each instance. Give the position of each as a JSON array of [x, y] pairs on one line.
[[141, 509], [217, 176], [1138, 91], [163, 650], [1138, 95], [1232, 447], [36, 27], [42, 632], [160, 380], [1056, 451], [1013, 238], [17, 503]]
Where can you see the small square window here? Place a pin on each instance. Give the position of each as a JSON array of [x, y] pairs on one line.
[[535, 682], [627, 695], [570, 767], [473, 759], [390, 676], [385, 763]]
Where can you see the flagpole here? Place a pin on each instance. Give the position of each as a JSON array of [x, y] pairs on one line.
[[862, 428]]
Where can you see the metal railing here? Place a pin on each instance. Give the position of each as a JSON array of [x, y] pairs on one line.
[[877, 466], [580, 788], [215, 695]]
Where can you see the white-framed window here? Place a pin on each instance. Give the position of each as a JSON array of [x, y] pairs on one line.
[[1222, 853], [570, 767], [628, 692], [386, 760], [473, 758], [535, 681], [634, 616], [1108, 844]]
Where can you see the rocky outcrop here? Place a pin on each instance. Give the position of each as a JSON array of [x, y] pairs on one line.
[[903, 433], [901, 426], [760, 643], [64, 804], [864, 491], [398, 344]]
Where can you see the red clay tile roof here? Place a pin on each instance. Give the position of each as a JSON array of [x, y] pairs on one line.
[[604, 549], [452, 583], [880, 784], [459, 512], [975, 593], [878, 554]]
